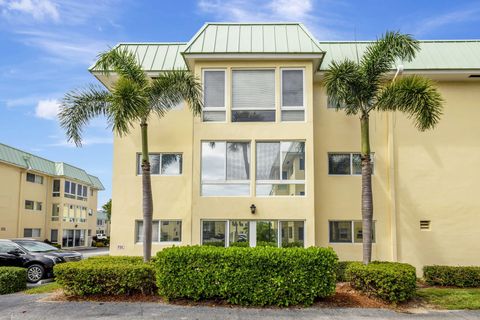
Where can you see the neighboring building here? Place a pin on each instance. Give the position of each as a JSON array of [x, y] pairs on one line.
[[270, 160], [43, 199], [103, 224]]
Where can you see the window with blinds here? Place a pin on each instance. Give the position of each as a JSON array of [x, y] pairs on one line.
[[293, 100], [253, 96], [214, 95]]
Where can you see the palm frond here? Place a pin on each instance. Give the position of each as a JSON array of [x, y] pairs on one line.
[[380, 56], [129, 105], [343, 82], [78, 107], [171, 88], [414, 95], [123, 62]]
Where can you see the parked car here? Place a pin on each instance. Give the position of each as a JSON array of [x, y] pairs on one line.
[[101, 236], [38, 257]]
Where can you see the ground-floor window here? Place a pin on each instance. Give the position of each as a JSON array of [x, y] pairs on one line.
[[32, 232], [347, 231], [162, 231], [251, 233], [54, 235], [73, 238]]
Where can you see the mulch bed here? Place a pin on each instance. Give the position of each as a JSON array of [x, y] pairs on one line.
[[345, 297]]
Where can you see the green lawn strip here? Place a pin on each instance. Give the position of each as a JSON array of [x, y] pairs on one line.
[[46, 288], [451, 298]]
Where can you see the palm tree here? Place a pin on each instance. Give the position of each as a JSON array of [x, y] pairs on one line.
[[132, 99], [362, 86]]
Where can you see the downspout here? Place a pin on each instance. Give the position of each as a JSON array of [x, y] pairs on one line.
[[391, 175]]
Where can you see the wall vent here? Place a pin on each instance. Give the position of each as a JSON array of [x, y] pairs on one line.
[[474, 76], [425, 225], [3, 229]]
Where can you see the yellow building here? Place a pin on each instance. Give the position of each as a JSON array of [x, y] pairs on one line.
[[269, 162], [46, 200]]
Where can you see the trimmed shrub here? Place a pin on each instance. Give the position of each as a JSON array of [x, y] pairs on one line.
[[390, 281], [12, 279], [341, 268], [247, 276], [463, 277], [106, 276]]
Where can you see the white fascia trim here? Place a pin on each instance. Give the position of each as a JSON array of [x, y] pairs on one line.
[[264, 56]]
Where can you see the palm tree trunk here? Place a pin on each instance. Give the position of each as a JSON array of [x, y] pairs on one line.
[[367, 196], [147, 195]]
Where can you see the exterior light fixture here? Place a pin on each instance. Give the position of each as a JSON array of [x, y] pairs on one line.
[[253, 209]]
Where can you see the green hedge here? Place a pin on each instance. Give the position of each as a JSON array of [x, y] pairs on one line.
[[464, 277], [390, 281], [106, 276], [247, 276], [12, 279], [341, 268]]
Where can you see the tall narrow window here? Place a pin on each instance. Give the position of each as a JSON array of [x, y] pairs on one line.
[[253, 96], [213, 233], [225, 168], [55, 212], [54, 235], [56, 188], [281, 168], [214, 95], [293, 101]]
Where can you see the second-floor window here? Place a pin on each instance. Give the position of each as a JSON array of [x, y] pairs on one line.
[[56, 188], [214, 95], [166, 164], [33, 205], [225, 168], [293, 101], [253, 95], [280, 168], [34, 178], [75, 191]]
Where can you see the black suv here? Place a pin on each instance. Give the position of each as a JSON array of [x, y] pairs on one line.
[[38, 257]]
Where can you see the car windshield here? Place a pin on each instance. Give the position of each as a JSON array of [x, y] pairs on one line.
[[36, 246]]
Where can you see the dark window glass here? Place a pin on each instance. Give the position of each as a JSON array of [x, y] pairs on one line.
[[253, 116], [341, 231], [339, 163]]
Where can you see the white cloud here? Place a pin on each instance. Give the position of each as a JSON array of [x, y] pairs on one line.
[[324, 23], [433, 23], [47, 109], [39, 10]]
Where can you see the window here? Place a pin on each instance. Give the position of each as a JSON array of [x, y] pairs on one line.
[[347, 232], [73, 238], [6, 247], [214, 95], [56, 188], [91, 192], [346, 163], [34, 178], [249, 233], [280, 168], [55, 212], [166, 164], [90, 212], [225, 168], [213, 233], [70, 189], [293, 104], [68, 213], [54, 235], [29, 204], [162, 231], [38, 206], [31, 233], [85, 192], [253, 96]]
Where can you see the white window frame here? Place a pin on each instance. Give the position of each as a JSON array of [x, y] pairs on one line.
[[69, 194], [281, 181], [257, 109], [224, 98], [139, 158], [352, 222], [56, 193], [159, 232], [293, 108], [38, 179], [226, 182], [252, 230], [372, 160]]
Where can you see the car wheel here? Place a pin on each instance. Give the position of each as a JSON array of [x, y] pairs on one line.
[[35, 273]]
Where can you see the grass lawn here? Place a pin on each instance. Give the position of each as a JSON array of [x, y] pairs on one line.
[[451, 298], [47, 288]]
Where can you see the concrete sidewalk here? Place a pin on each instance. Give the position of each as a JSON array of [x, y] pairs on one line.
[[22, 306]]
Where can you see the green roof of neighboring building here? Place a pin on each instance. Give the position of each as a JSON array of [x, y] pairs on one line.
[[292, 38], [253, 38], [434, 54], [32, 162]]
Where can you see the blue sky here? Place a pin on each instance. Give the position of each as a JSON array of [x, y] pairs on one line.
[[47, 46]]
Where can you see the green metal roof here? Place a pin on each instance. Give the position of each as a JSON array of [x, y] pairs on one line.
[[253, 38], [434, 54], [32, 162]]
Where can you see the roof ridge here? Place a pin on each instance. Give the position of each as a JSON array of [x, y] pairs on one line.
[[421, 41], [254, 23]]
